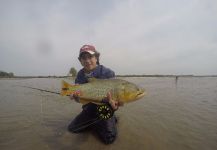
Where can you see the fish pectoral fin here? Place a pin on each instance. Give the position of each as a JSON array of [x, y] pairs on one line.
[[91, 100], [120, 103], [83, 101], [86, 101], [92, 79]]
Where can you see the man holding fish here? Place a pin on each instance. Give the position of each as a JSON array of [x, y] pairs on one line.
[[96, 85]]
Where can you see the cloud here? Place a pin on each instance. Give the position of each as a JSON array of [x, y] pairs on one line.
[[133, 36], [144, 41]]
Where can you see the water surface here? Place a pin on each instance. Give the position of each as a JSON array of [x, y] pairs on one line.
[[176, 114]]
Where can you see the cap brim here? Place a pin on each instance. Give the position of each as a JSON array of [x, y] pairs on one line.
[[91, 52], [87, 51]]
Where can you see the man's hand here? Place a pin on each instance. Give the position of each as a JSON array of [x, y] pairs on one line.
[[114, 104], [75, 96]]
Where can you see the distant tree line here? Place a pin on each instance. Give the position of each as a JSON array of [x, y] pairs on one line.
[[5, 74]]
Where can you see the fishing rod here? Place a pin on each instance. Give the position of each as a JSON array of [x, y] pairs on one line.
[[42, 90], [104, 111]]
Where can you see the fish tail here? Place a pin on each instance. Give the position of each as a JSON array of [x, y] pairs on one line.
[[67, 89]]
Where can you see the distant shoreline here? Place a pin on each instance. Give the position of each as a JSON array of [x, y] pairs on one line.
[[174, 76], [166, 75]]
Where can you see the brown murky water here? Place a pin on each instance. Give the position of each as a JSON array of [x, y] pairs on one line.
[[178, 115]]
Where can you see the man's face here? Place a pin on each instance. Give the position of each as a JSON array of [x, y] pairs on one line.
[[88, 61]]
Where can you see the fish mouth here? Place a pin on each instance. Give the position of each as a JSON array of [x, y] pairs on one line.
[[140, 94]]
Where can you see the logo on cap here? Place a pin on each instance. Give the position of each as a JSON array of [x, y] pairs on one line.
[[88, 48]]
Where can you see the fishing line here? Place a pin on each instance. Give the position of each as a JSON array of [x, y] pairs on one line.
[[86, 124], [43, 90], [104, 111]]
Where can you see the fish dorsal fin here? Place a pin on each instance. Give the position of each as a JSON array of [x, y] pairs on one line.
[[92, 79]]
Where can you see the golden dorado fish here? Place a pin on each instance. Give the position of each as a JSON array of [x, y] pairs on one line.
[[96, 89]]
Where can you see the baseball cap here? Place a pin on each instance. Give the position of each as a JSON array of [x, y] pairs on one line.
[[87, 48]]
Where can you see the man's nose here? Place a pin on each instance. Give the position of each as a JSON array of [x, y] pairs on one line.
[[87, 60]]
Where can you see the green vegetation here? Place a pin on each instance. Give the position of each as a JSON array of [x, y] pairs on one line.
[[5, 74], [72, 72]]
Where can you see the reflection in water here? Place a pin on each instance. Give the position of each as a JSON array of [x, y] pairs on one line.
[[164, 119]]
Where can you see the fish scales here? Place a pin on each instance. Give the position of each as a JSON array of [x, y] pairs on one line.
[[97, 89]]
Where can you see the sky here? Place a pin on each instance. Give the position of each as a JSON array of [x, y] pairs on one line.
[[43, 37]]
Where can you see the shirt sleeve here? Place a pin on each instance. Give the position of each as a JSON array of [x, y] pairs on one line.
[[107, 73], [110, 74], [77, 81], [80, 78]]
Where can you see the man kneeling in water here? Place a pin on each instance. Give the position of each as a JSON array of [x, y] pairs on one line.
[[105, 129]]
